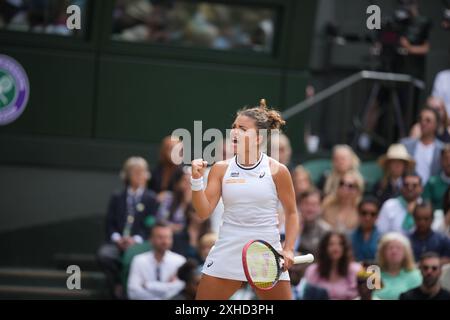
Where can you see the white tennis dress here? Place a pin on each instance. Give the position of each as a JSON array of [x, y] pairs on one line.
[[250, 213]]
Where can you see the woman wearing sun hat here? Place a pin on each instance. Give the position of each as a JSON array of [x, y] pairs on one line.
[[395, 164]]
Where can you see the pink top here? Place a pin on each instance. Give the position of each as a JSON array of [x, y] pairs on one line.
[[345, 288]]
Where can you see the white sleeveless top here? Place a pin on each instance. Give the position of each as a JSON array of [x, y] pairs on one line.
[[249, 194]]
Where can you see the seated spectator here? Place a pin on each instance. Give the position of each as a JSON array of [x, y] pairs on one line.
[[301, 289], [206, 243], [153, 274], [396, 214], [430, 267], [162, 174], [128, 214], [312, 226], [426, 150], [340, 208], [301, 180], [437, 185], [424, 239], [176, 204], [334, 270], [285, 151], [365, 238], [398, 271], [344, 160], [395, 163], [187, 240], [443, 133], [443, 226], [190, 274], [440, 88]]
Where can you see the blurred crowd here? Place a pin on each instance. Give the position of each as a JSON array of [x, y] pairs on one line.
[[200, 24], [40, 16]]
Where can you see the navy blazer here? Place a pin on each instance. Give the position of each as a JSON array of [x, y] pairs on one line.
[[117, 214]]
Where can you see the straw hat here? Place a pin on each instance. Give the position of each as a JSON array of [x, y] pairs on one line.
[[397, 152]]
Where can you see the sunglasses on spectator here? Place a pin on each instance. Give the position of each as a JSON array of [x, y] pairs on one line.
[[347, 184], [426, 268], [411, 185], [368, 212]]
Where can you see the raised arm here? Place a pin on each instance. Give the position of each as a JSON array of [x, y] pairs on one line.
[[205, 201]]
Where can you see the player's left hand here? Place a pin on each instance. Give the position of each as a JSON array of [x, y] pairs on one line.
[[288, 257]]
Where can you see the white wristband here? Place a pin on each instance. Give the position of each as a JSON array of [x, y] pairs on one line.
[[197, 184]]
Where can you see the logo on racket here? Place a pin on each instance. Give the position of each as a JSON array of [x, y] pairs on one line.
[[14, 89]]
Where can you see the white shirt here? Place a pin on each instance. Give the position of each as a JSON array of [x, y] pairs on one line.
[[142, 280], [424, 157], [441, 88], [391, 217]]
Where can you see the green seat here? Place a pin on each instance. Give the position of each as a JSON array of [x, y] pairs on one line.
[[128, 256], [316, 168], [371, 172]]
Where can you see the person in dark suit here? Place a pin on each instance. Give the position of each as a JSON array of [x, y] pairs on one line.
[[426, 150], [130, 212]]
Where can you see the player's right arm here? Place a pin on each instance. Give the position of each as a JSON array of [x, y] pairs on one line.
[[205, 201]]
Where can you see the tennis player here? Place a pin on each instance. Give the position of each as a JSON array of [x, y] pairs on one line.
[[252, 185]]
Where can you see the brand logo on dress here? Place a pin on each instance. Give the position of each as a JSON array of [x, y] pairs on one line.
[[262, 174], [209, 264], [234, 174], [14, 89]]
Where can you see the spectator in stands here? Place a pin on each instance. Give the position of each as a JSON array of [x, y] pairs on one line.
[[190, 274], [301, 289], [398, 271], [440, 88], [340, 208], [176, 204], [128, 215], [424, 239], [334, 270], [396, 214], [153, 274], [437, 185], [363, 280], [427, 149], [186, 242], [205, 245], [365, 238], [301, 180], [312, 226], [443, 226], [162, 174], [430, 267], [344, 160], [443, 133], [395, 163], [285, 151]]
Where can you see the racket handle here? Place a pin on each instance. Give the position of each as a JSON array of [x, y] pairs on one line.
[[307, 258]]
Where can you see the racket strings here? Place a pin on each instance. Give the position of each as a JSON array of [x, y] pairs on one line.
[[262, 265]]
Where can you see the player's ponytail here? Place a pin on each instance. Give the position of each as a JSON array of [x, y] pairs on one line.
[[264, 117]]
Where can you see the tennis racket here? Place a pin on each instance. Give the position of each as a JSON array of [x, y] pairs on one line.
[[263, 264]]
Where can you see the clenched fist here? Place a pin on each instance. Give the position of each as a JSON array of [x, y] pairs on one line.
[[198, 168]]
